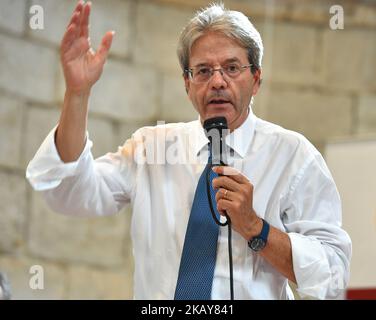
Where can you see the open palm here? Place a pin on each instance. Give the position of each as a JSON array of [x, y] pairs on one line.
[[82, 66]]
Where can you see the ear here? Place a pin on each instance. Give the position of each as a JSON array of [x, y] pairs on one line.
[[187, 83], [256, 82]]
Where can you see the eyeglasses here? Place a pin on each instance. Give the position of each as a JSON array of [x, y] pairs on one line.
[[203, 74]]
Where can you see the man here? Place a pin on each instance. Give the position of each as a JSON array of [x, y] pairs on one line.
[[280, 192]]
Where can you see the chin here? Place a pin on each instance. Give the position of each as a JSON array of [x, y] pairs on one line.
[[219, 113], [216, 111]]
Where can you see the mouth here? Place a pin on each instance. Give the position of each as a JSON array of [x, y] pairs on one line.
[[219, 102]]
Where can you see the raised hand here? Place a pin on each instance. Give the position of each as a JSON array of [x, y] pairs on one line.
[[82, 66]]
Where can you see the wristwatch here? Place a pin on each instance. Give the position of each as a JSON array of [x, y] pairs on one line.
[[259, 242]]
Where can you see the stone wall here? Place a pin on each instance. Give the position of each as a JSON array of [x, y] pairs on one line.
[[317, 81]]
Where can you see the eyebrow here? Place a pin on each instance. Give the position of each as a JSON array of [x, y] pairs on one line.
[[232, 60], [229, 60]]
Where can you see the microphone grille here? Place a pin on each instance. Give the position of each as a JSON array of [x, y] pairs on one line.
[[219, 123]]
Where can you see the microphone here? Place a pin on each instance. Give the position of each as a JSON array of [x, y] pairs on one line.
[[216, 129]]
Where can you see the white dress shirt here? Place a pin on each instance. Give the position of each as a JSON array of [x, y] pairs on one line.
[[157, 171]]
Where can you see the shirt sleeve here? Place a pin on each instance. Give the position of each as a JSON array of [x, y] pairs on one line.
[[321, 249], [85, 186]]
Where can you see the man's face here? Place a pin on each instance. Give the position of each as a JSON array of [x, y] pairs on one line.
[[221, 95]]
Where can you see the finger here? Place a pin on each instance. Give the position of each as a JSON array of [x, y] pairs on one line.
[[85, 20], [75, 19], [76, 12], [223, 194], [231, 173], [225, 183], [72, 28], [80, 18], [225, 170], [240, 178], [105, 45], [223, 206]]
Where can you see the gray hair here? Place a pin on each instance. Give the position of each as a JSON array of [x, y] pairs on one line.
[[233, 24]]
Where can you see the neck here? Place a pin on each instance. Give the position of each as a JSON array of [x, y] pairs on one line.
[[240, 120]]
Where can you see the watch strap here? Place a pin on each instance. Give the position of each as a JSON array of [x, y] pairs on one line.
[[264, 231]]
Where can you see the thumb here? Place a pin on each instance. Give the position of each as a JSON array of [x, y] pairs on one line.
[[105, 45]]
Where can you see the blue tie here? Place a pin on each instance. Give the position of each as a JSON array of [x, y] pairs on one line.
[[200, 246]]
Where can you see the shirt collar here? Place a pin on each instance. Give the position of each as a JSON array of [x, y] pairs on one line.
[[238, 140]]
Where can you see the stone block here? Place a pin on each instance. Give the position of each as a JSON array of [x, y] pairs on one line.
[[101, 132], [349, 59], [19, 273], [176, 105], [364, 15], [317, 116], [39, 122], [11, 116], [261, 100], [291, 51], [367, 114], [97, 241], [27, 69], [125, 92], [254, 8], [311, 11], [12, 212], [89, 283], [12, 15], [126, 130], [158, 29], [106, 15], [356, 13]]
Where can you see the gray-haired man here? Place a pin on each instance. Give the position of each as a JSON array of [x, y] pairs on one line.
[[280, 192]]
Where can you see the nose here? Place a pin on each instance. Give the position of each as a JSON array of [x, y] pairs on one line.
[[217, 80]]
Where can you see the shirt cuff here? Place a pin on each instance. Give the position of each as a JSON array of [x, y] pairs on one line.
[[46, 170], [311, 266]]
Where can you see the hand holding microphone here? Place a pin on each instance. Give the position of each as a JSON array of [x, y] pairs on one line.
[[235, 192], [235, 199]]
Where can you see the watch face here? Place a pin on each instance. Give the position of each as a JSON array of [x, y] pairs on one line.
[[257, 244]]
